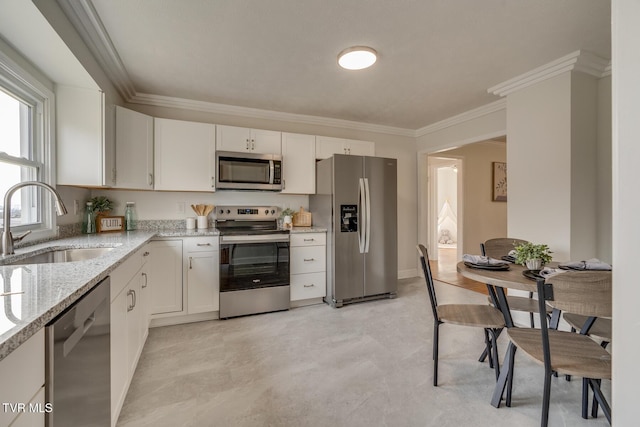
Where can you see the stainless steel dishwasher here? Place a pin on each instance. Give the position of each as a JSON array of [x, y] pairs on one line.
[[78, 362]]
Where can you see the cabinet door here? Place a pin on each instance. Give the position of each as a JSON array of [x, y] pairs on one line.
[[165, 276], [184, 155], [327, 147], [203, 286], [299, 163], [360, 148], [134, 150], [119, 360], [232, 138], [85, 153], [265, 141]]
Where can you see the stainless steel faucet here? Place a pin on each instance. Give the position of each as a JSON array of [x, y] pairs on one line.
[[7, 239]]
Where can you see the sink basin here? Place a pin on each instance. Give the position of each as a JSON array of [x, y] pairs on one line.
[[62, 255]]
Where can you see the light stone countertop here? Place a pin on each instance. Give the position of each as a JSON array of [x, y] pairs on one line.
[[43, 291]]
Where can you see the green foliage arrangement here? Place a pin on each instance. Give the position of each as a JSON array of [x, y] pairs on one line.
[[527, 251], [287, 212], [101, 204]]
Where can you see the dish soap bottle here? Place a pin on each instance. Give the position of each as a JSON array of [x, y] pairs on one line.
[[89, 220], [130, 216]]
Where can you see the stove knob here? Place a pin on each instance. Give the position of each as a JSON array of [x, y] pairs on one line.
[[272, 211], [266, 212], [221, 211], [228, 211]]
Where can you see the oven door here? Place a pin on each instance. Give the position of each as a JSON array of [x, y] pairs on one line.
[[252, 262]]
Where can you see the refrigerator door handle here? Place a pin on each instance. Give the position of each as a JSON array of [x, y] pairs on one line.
[[362, 219], [367, 200]]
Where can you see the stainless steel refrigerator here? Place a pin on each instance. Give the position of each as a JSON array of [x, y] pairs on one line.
[[356, 200]]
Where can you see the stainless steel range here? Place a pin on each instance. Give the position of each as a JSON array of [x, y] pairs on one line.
[[254, 261]]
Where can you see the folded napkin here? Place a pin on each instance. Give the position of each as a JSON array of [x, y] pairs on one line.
[[590, 264], [481, 260], [547, 272]]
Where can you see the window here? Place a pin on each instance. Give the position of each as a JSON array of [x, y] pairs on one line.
[[24, 148]]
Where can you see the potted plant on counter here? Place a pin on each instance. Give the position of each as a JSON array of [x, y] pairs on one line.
[[287, 215], [532, 256], [101, 205]]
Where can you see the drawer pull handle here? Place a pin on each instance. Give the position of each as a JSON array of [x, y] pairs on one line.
[[203, 244], [309, 286], [309, 240], [309, 259]]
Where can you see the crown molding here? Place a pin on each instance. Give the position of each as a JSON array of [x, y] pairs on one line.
[[86, 21], [498, 105], [255, 113], [580, 60]]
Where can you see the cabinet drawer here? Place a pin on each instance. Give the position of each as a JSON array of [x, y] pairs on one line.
[[22, 374], [310, 285], [125, 271], [198, 244], [308, 260], [308, 239]]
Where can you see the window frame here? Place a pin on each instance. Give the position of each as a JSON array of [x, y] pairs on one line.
[[33, 91]]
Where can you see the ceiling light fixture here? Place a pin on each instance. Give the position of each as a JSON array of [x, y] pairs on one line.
[[357, 57]]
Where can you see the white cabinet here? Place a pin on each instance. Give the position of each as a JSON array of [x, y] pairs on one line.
[[165, 276], [129, 325], [327, 146], [232, 138], [184, 155], [308, 266], [22, 374], [203, 284], [85, 148], [134, 150], [299, 163]]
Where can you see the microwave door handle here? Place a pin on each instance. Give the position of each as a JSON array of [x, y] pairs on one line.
[[272, 172]]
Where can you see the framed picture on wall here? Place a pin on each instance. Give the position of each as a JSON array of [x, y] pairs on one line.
[[499, 182]]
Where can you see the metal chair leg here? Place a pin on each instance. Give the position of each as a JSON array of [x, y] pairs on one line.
[[585, 398], [545, 399], [487, 347], [494, 352], [436, 327], [597, 393], [510, 378]]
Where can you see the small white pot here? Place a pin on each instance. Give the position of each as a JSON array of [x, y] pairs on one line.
[[286, 221], [534, 264]]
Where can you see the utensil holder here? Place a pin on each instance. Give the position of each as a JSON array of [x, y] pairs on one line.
[[203, 223], [191, 223]]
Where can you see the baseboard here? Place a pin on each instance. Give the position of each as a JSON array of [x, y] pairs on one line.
[[178, 320], [408, 274]]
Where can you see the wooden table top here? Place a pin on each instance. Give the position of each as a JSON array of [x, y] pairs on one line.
[[511, 278]]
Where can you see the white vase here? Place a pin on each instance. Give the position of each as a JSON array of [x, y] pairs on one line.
[[287, 221], [534, 264]]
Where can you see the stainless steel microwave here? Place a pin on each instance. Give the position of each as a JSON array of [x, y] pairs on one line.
[[245, 171]]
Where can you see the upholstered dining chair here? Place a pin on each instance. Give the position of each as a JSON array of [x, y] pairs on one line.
[[586, 293], [497, 248], [476, 315]]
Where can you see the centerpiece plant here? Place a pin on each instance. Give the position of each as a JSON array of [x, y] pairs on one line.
[[101, 205], [532, 255]]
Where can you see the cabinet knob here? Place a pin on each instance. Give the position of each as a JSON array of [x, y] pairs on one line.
[[146, 253]]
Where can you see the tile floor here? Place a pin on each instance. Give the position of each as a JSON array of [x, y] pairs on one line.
[[366, 364]]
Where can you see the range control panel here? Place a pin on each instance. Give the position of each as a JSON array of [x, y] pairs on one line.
[[254, 213]]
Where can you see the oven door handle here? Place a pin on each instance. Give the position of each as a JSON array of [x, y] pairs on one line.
[[266, 238]]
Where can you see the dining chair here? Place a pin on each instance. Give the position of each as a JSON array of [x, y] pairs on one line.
[[586, 293], [476, 315], [497, 248]]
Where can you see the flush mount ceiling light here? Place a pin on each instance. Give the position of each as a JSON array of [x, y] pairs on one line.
[[357, 57]]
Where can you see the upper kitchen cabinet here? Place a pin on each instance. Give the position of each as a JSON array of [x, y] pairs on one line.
[[298, 163], [327, 146], [231, 138], [85, 147], [184, 155], [134, 150]]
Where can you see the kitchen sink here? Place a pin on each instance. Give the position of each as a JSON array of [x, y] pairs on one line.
[[61, 255]]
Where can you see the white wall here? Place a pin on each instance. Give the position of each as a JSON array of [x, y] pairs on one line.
[[626, 205], [604, 173]]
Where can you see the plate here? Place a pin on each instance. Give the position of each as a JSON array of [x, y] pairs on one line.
[[497, 267], [508, 259], [532, 274], [568, 267]]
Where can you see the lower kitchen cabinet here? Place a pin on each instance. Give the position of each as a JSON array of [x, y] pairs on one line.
[[129, 325], [308, 266], [165, 276], [203, 283], [22, 374]]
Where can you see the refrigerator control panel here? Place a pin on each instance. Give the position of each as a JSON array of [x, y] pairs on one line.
[[349, 218]]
